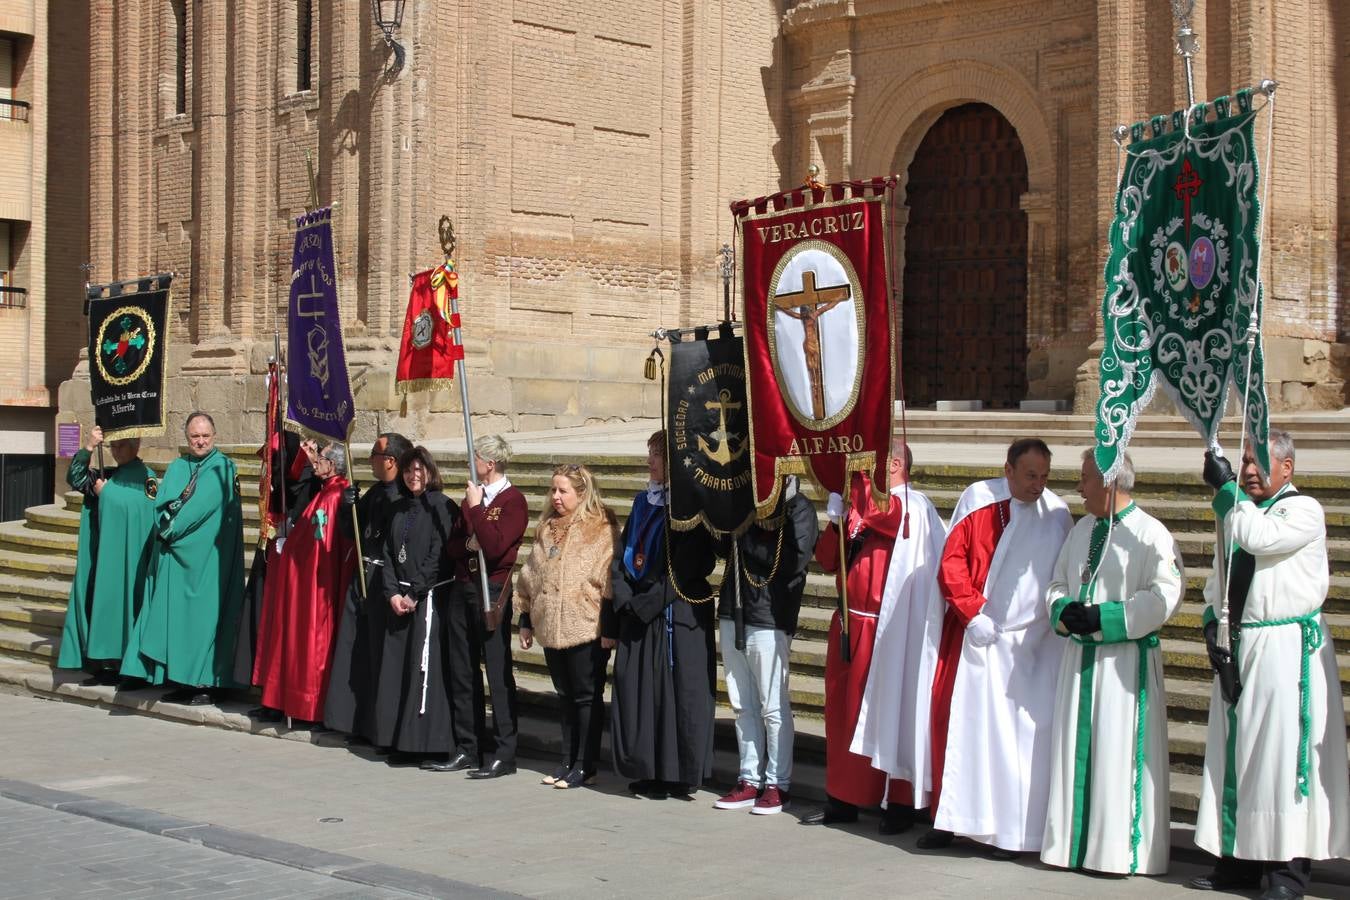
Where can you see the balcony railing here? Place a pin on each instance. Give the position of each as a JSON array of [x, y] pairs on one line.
[[14, 110], [13, 297]]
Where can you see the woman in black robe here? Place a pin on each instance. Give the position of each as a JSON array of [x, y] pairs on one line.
[[661, 715], [412, 697]]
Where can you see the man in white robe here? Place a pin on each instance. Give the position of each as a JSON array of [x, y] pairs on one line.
[[892, 727], [1118, 579], [1274, 794], [994, 770]]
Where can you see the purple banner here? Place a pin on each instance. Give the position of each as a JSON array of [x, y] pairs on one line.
[[319, 397]]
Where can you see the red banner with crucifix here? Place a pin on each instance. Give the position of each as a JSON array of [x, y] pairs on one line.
[[819, 335]]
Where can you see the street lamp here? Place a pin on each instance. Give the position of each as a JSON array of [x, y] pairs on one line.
[[388, 14]]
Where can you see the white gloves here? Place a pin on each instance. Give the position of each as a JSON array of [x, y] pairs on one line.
[[981, 631], [834, 507]]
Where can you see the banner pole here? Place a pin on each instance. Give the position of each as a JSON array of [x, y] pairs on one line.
[[845, 645], [463, 377], [356, 525]]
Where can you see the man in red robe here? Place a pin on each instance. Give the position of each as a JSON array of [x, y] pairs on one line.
[[986, 587], [850, 780], [302, 599]]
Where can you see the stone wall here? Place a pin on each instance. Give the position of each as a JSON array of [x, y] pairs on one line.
[[586, 150]]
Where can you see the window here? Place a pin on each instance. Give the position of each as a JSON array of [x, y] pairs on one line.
[[6, 274], [180, 61], [304, 20]]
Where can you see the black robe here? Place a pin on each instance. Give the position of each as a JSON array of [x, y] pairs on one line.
[[400, 723], [360, 636], [298, 492], [662, 708]]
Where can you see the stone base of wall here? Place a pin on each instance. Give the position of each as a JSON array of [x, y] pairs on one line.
[[1301, 375], [514, 385]]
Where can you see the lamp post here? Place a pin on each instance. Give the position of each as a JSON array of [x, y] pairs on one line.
[[388, 15]]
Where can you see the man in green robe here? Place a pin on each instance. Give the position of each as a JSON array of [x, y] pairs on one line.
[[117, 518], [186, 629]]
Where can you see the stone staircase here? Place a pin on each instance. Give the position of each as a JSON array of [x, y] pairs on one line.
[[37, 561]]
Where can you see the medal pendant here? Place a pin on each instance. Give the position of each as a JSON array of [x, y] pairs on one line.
[[552, 552], [403, 553], [639, 560]]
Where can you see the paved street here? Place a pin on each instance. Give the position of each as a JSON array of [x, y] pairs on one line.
[[44, 853], [332, 809]]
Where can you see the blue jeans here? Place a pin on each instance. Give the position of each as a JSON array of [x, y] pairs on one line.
[[757, 685]]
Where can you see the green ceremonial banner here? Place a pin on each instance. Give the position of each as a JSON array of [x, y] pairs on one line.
[[1182, 286]]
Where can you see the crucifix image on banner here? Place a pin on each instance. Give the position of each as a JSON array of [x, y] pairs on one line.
[[815, 333]]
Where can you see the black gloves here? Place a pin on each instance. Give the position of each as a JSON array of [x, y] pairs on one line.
[[1079, 618], [1225, 666], [1217, 471], [350, 495]]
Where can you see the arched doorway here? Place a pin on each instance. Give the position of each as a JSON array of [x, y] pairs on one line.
[[965, 284]]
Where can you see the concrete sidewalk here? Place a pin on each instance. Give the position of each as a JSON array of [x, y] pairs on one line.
[[511, 835]]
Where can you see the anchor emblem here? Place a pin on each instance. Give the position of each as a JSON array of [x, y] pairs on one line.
[[723, 454]]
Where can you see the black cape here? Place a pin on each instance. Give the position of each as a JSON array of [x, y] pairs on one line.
[[350, 704], [662, 708], [399, 720], [298, 492]]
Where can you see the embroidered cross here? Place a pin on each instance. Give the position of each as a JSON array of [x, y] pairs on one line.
[[1187, 187], [320, 519]]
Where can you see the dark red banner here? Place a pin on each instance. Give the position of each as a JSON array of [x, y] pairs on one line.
[[819, 336]]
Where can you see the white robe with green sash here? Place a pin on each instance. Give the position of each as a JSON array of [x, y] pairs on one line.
[[1109, 799], [1275, 784]]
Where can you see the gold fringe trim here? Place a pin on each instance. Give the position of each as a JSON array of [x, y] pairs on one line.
[[415, 385], [140, 431]]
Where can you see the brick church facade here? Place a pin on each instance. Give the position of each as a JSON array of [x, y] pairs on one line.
[[586, 152]]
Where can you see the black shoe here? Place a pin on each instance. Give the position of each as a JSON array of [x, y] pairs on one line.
[[102, 678], [896, 820], [188, 696], [401, 758], [495, 769], [575, 779], [935, 839], [835, 812], [456, 763], [640, 787], [1280, 892], [1222, 881], [650, 790], [265, 714], [557, 775], [1002, 855]]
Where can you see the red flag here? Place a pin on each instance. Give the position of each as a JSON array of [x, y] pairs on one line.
[[427, 355], [818, 336]]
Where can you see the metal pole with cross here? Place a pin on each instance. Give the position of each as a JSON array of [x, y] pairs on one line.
[[446, 228]]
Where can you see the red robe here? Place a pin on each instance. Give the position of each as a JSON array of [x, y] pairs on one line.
[[302, 602], [848, 776], [961, 575]]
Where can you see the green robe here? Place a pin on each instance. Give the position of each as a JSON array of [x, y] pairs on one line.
[[115, 529], [186, 629]]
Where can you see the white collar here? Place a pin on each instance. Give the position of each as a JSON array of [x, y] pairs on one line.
[[656, 493], [490, 491]]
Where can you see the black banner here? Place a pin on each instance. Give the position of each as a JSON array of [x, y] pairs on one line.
[[128, 334], [708, 434]]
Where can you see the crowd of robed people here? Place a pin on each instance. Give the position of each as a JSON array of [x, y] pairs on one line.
[[1003, 681]]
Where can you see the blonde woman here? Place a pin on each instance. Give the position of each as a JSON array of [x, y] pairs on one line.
[[560, 592]]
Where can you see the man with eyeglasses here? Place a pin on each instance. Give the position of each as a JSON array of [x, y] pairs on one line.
[[493, 519], [350, 704]]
